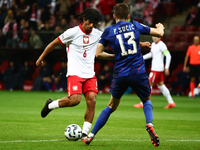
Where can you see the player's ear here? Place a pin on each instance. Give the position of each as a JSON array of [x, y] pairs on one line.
[[114, 16], [128, 16], [84, 19]]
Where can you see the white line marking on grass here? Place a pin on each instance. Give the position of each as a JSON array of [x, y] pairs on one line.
[[122, 140]]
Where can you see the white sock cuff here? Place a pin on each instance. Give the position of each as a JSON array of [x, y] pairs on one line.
[[86, 127], [54, 104]]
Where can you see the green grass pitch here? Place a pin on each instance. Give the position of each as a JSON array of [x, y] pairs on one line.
[[22, 127]]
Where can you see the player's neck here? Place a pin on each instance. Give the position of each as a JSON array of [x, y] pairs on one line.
[[117, 20]]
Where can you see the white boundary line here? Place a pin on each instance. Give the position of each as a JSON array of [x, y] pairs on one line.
[[123, 140]]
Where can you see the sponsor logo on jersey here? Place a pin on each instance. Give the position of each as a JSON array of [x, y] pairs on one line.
[[75, 88], [85, 39], [62, 36]]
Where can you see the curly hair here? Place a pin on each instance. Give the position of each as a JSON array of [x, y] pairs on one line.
[[91, 14]]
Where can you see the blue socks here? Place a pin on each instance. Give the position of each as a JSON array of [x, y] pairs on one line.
[[47, 84], [148, 111], [102, 119]]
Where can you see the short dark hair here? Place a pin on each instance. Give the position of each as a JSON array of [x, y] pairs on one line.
[[91, 14], [121, 10]]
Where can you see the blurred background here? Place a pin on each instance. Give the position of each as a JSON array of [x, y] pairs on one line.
[[26, 28]]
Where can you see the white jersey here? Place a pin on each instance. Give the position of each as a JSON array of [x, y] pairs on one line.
[[81, 49], [157, 50]]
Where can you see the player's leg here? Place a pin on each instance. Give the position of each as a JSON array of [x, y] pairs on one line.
[[152, 77], [73, 99], [142, 88], [102, 119], [117, 90], [90, 91], [89, 113], [167, 95]]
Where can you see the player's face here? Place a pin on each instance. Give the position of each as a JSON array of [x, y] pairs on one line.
[[155, 39], [88, 25]]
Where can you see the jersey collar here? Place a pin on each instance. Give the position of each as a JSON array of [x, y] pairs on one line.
[[158, 41], [80, 26]]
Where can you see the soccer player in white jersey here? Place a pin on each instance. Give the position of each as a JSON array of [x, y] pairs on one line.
[[81, 42], [157, 53]]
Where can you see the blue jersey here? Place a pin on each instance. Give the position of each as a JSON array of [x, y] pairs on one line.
[[124, 38]]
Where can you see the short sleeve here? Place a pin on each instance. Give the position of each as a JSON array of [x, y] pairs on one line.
[[188, 51], [163, 47], [66, 36], [103, 40], [144, 29]]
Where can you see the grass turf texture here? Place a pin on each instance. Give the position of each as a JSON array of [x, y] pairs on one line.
[[22, 127]]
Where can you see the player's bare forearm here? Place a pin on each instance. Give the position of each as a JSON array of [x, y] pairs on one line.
[[145, 45], [103, 55], [158, 31], [46, 51], [106, 56]]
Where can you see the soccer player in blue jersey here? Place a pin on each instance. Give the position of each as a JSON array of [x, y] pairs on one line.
[[129, 70]]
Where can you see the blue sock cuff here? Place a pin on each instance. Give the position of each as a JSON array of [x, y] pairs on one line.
[[108, 110], [147, 102]]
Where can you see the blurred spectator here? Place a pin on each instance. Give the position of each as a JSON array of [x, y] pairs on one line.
[[83, 4], [23, 9], [52, 21], [154, 3], [108, 21], [2, 39], [183, 80], [10, 30], [73, 22], [45, 6], [40, 25], [147, 14], [35, 41], [192, 18], [23, 33], [61, 78], [8, 16], [7, 3], [14, 8], [63, 25], [46, 34], [24, 74], [104, 77], [64, 8], [33, 16], [52, 7], [9, 77], [105, 7], [44, 76], [56, 33], [137, 9], [3, 13]]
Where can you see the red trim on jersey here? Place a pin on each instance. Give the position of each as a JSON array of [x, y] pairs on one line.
[[80, 26], [61, 41], [158, 41]]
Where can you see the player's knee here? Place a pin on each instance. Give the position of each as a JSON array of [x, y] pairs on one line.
[[75, 99]]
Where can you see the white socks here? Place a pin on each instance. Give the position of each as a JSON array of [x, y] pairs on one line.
[[86, 127], [166, 93], [54, 104]]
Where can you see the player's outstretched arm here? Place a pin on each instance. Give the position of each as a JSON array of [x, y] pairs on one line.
[[47, 50], [158, 31], [103, 55]]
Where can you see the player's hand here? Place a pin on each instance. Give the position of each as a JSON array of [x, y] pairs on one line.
[[39, 62], [160, 25], [145, 45], [167, 72]]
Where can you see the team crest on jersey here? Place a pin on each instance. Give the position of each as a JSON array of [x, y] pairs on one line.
[[85, 39]]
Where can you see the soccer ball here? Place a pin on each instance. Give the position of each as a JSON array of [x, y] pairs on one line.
[[196, 92], [73, 132]]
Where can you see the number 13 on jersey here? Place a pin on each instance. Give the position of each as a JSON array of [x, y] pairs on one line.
[[130, 36]]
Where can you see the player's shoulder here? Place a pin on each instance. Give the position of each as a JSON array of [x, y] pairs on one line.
[[97, 31]]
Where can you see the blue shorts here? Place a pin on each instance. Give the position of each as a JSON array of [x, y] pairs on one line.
[[139, 84]]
